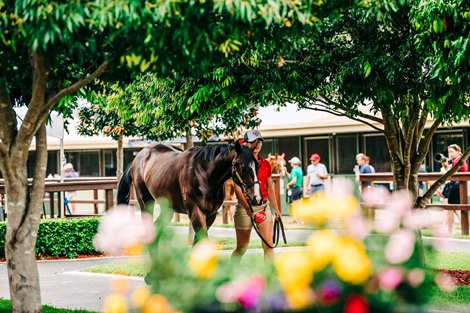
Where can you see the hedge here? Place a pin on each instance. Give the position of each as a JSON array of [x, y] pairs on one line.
[[61, 237]]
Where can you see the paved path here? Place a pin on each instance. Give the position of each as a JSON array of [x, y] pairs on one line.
[[64, 286]]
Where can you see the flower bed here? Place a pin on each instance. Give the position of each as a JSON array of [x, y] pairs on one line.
[[333, 273]]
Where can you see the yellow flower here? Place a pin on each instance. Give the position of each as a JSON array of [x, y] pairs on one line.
[[300, 298], [140, 296], [321, 206], [322, 245], [203, 259], [294, 269], [351, 262], [156, 304], [313, 209], [343, 207], [115, 303], [137, 249]]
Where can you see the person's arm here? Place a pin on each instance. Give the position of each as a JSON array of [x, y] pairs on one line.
[[323, 173], [292, 182], [308, 184], [242, 199], [272, 198]]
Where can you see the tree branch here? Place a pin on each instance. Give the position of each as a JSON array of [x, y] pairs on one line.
[[79, 84], [7, 118], [426, 142], [6, 163], [350, 111], [325, 105], [29, 126], [39, 174]]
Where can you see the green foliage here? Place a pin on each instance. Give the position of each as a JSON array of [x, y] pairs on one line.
[[61, 237], [163, 108]]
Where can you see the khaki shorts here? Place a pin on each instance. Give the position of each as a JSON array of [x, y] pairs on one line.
[[243, 221]]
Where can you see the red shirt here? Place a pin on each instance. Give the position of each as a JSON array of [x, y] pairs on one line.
[[463, 168], [264, 172]]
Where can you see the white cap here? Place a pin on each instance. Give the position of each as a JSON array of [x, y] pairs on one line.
[[295, 160], [68, 166]]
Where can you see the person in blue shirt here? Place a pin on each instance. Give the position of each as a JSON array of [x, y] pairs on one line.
[[363, 166]]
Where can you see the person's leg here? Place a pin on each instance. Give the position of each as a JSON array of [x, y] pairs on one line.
[[450, 221], [266, 230], [296, 195], [243, 239], [242, 231]]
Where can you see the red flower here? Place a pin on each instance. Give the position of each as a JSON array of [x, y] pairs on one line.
[[356, 304]]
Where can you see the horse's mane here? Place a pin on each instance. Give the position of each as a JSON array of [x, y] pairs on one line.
[[209, 153], [247, 157]]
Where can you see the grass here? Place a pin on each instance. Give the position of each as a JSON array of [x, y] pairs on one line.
[[5, 307], [456, 234], [458, 298], [451, 260]]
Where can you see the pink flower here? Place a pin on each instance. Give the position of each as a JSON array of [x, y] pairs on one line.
[[390, 277], [245, 291], [377, 195], [122, 228], [388, 223], [401, 203], [417, 219], [254, 287], [341, 187], [400, 246], [329, 292], [357, 227], [445, 282], [416, 277], [439, 232]]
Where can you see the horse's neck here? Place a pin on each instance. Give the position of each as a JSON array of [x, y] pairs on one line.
[[220, 172]]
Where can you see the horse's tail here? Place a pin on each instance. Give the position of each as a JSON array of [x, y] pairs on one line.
[[124, 189]]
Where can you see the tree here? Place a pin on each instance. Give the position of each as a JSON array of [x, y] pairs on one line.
[[159, 109], [50, 50], [394, 67]]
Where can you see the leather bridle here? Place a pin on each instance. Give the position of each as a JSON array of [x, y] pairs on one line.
[[278, 225]]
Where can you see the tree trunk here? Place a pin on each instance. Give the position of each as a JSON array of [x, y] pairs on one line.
[[24, 214], [189, 139], [120, 159]]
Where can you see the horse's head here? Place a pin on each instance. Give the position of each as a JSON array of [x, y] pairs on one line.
[[244, 173]]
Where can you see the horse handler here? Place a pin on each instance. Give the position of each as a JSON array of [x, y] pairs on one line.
[[265, 197]]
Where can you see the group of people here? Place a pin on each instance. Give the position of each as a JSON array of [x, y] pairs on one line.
[[317, 173], [316, 176]]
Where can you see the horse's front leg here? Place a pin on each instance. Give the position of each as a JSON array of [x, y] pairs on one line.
[[198, 220]]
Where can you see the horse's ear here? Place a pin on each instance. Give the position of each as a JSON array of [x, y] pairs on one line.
[[238, 147]]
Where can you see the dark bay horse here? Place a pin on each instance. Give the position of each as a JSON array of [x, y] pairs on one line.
[[192, 180]]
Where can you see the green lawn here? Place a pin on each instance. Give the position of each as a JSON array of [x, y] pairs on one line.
[[5, 307], [460, 298]]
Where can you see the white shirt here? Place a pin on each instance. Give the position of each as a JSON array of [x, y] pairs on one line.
[[313, 170]]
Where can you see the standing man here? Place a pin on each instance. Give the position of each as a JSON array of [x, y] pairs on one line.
[[316, 175], [363, 165]]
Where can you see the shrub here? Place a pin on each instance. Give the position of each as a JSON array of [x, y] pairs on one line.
[[61, 237]]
